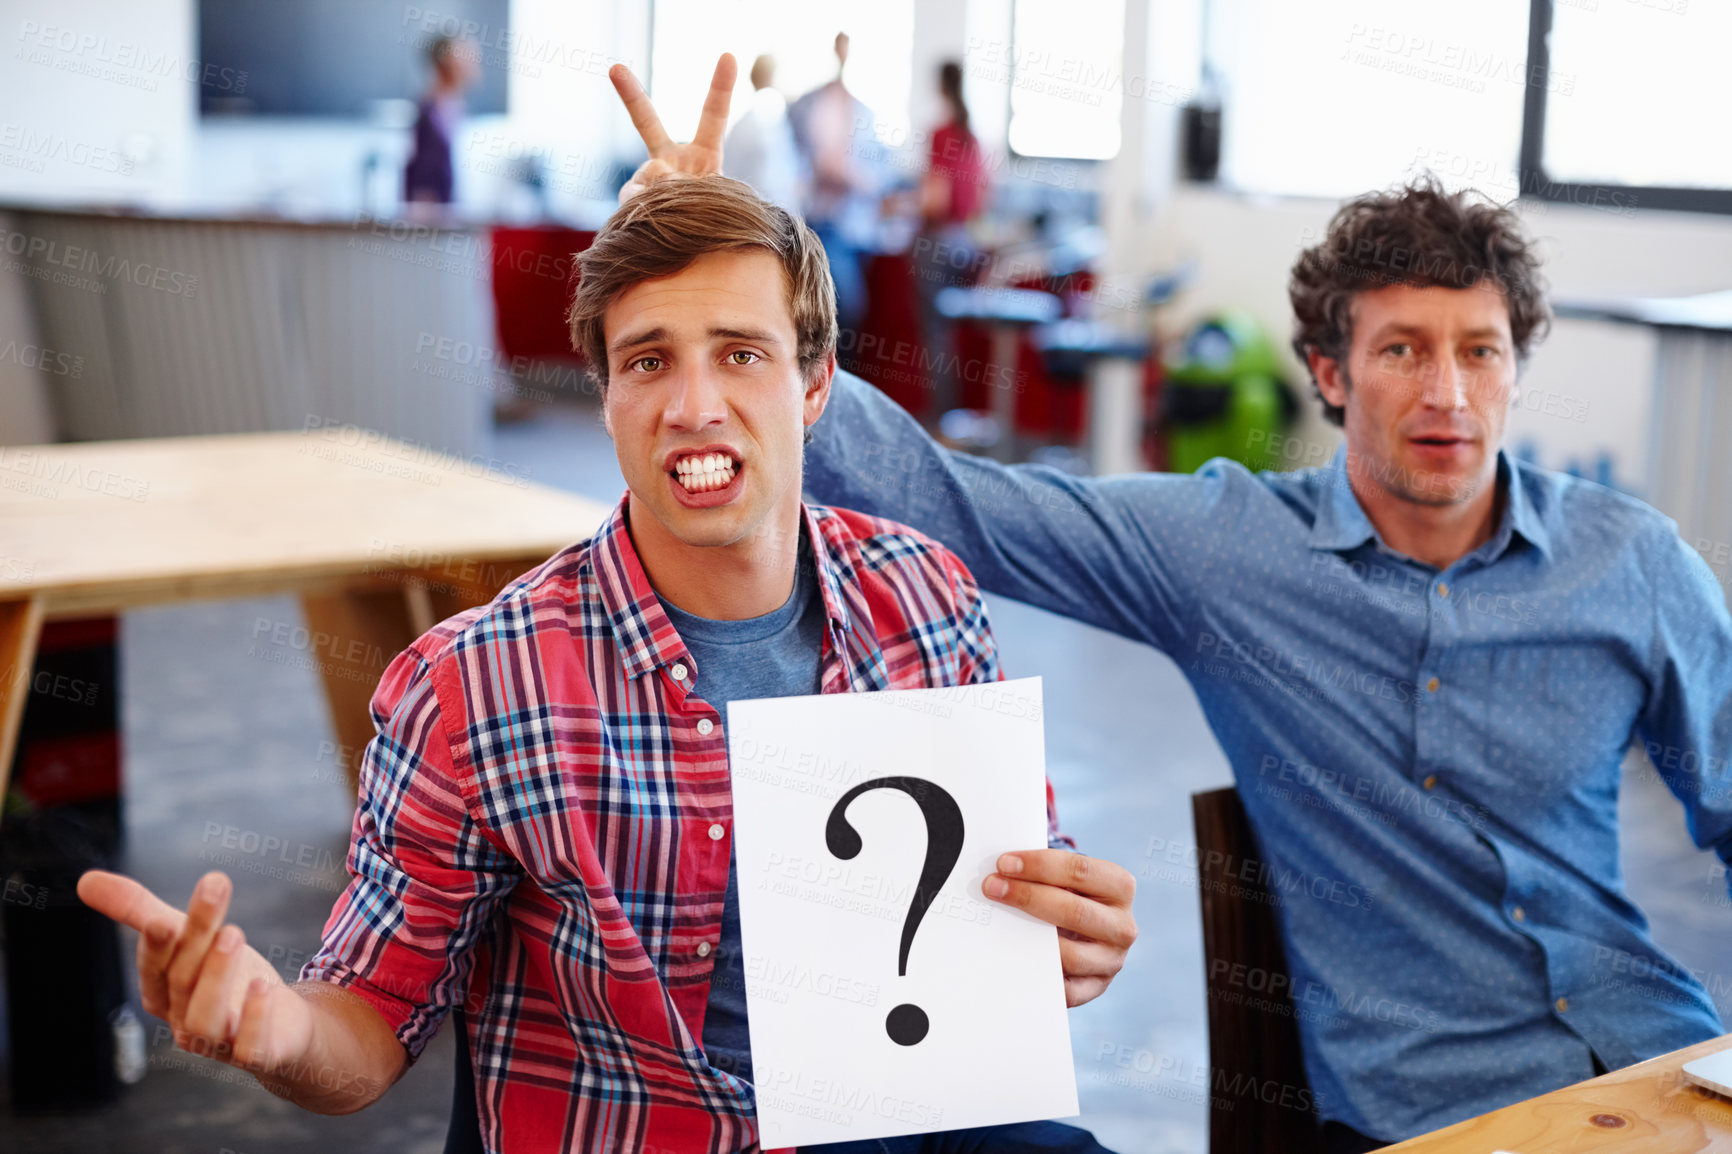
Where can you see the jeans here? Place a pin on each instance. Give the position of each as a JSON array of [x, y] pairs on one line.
[[942, 259], [1019, 1138], [847, 272]]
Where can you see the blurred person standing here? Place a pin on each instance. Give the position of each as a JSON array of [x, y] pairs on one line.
[[430, 175], [952, 196], [837, 137], [760, 147]]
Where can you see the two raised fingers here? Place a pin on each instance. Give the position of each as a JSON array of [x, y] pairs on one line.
[[712, 122], [638, 107]]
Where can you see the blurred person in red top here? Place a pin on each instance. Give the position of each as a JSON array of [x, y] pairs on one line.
[[953, 195], [954, 191]]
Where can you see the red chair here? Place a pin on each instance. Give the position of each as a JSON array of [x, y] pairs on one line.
[[890, 348], [534, 274]]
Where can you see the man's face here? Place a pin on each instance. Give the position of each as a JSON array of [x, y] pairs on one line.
[[705, 401], [461, 65], [1427, 386]]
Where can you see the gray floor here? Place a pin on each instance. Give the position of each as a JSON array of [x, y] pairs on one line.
[[226, 735]]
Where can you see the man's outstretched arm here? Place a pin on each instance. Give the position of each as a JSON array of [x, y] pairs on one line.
[[317, 1045], [1087, 899], [1686, 726], [1121, 553]]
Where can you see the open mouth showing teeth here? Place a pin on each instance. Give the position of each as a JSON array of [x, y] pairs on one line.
[[706, 471]]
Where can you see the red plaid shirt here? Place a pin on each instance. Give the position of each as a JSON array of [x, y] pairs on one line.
[[535, 837]]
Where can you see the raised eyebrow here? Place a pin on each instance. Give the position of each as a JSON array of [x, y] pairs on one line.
[[647, 337], [1393, 330], [1409, 332], [760, 336]]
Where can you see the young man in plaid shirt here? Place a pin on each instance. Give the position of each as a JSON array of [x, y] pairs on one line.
[[544, 836]]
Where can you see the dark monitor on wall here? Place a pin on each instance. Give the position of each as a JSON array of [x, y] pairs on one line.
[[335, 58]]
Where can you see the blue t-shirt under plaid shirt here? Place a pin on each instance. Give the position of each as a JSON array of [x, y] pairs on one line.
[[776, 655]]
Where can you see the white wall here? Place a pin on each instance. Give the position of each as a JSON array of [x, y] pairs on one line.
[[29, 369], [565, 101], [940, 33], [96, 105], [95, 98]]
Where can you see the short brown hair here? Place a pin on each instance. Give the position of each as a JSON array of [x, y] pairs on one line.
[[1416, 235], [670, 224]]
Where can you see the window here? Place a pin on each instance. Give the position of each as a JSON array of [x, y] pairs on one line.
[[1332, 98], [1613, 104], [688, 35], [1632, 111], [1066, 72]]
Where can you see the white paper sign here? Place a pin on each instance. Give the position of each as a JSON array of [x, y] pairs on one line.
[[825, 897]]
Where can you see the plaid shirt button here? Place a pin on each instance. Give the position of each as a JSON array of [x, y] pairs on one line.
[[717, 832], [705, 725]]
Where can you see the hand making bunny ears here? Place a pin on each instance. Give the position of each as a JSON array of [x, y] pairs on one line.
[[701, 157]]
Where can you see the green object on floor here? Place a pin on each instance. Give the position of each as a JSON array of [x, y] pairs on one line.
[[1225, 397]]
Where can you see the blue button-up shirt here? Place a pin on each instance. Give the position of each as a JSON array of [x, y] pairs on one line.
[[1430, 760]]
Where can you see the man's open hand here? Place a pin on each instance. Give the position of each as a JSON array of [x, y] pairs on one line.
[[703, 156], [221, 996], [1088, 899]]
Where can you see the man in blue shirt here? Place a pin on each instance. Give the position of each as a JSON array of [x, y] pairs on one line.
[[1425, 661]]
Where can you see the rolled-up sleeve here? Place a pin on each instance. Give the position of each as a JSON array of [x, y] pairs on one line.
[[425, 883]]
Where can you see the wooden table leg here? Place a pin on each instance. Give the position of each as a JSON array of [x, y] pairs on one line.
[[356, 633], [20, 626]]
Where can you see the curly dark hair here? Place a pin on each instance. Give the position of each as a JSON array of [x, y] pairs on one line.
[[1416, 235]]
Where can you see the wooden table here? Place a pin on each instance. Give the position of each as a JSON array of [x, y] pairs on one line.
[[1648, 1108], [380, 539]]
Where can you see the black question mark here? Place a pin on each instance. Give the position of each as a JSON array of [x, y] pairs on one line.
[[907, 1024]]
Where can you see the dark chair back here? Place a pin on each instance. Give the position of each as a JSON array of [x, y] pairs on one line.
[[1259, 1099]]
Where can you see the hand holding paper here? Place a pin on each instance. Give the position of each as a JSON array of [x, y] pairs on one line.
[[1088, 899], [879, 984]]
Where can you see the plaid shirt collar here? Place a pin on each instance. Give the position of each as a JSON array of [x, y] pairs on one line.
[[648, 640]]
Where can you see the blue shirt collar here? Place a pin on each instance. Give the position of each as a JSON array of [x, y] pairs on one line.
[[1341, 523]]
